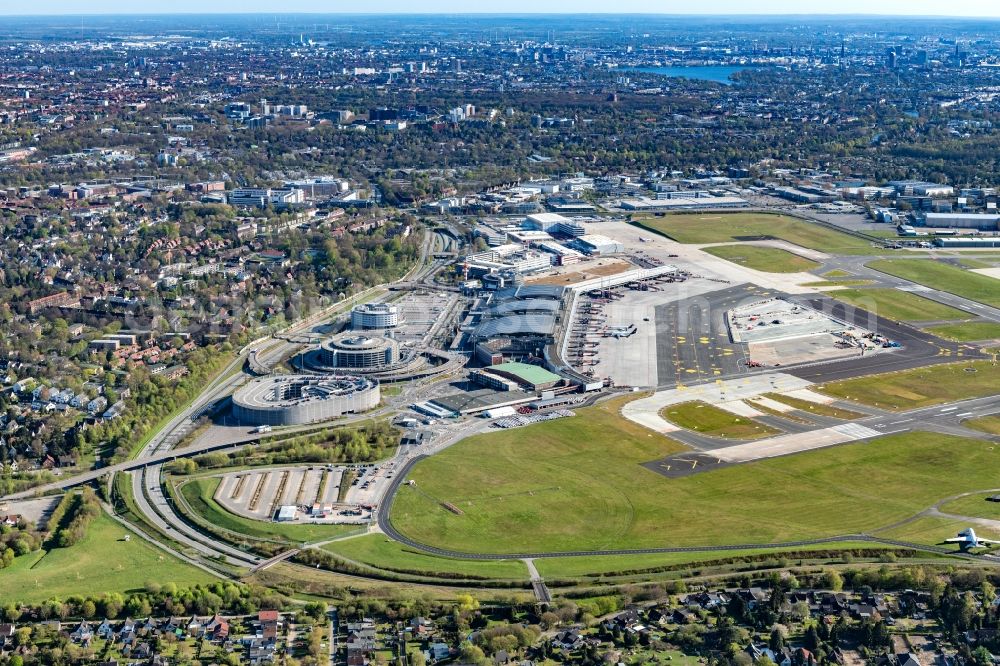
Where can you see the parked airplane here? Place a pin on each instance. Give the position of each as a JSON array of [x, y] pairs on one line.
[[967, 539]]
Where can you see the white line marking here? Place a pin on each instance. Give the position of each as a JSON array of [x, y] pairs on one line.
[[964, 414], [949, 409]]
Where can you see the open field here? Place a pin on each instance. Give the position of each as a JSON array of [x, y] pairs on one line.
[[944, 277], [847, 282], [722, 228], [975, 506], [920, 387], [379, 551], [766, 259], [101, 562], [971, 331], [598, 565], [898, 305], [815, 407], [552, 487], [715, 422], [313, 583], [931, 531], [988, 424], [199, 495]]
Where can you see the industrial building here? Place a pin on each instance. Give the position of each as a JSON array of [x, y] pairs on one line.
[[264, 197], [597, 245], [503, 375], [980, 221], [967, 241], [554, 223], [374, 316], [359, 352], [297, 399], [513, 256], [682, 203]]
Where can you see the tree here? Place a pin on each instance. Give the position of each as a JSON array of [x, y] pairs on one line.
[[471, 654], [832, 580], [777, 640]]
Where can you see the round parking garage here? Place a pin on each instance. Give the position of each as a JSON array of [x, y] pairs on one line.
[[359, 352], [298, 399]]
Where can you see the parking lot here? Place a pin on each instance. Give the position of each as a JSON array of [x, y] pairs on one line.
[[258, 494], [419, 313]]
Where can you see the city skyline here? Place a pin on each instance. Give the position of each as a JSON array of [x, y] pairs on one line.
[[970, 8]]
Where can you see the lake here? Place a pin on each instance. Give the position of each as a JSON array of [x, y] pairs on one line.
[[717, 73]]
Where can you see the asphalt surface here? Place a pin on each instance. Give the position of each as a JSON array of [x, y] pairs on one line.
[[918, 348], [692, 339]]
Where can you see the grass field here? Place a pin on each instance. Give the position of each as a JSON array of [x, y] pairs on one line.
[[576, 484], [715, 422], [971, 331], [987, 424], [593, 565], [898, 305], [975, 506], [816, 407], [766, 259], [848, 282], [383, 553], [931, 531], [722, 228], [921, 387], [101, 562], [944, 277], [199, 495]]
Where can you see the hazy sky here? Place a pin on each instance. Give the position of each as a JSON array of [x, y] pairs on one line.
[[884, 7]]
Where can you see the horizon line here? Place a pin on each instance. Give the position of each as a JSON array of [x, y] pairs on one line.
[[824, 15]]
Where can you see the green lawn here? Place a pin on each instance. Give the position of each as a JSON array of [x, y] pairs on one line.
[[849, 282], [988, 424], [381, 552], [933, 531], [945, 277], [767, 259], [816, 407], [970, 331], [975, 506], [921, 387], [898, 305], [725, 227], [199, 495], [715, 422], [101, 562], [576, 484], [592, 565]]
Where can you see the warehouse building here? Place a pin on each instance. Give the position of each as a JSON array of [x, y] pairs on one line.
[[980, 221], [597, 245], [529, 376]]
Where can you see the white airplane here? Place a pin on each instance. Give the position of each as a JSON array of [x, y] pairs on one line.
[[967, 539]]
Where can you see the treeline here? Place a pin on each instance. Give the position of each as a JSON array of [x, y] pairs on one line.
[[321, 559], [156, 599], [71, 517], [363, 444]]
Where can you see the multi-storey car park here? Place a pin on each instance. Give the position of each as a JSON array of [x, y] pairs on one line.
[[374, 316], [359, 352], [298, 399]]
